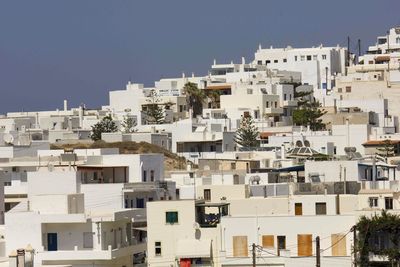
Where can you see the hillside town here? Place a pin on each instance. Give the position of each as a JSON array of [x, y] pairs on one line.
[[290, 158]]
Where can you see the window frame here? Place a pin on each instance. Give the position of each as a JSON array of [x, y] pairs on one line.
[[167, 217], [318, 206], [158, 245]]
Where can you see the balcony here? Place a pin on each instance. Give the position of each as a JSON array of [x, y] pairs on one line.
[[212, 217], [290, 103], [273, 111], [86, 255]]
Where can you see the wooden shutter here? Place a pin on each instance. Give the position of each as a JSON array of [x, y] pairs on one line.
[[298, 209], [268, 241], [338, 245], [240, 248], [304, 245]]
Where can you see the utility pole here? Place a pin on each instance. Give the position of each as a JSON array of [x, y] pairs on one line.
[[318, 252], [254, 254], [355, 245]]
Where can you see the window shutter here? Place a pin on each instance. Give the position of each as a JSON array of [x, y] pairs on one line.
[[268, 241]]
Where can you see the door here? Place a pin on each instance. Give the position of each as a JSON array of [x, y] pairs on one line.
[[52, 241], [281, 243], [139, 203]]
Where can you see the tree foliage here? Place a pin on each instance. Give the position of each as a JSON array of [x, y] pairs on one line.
[[213, 98], [387, 150], [195, 98], [308, 113], [155, 110], [128, 124], [106, 125], [380, 235], [247, 133]]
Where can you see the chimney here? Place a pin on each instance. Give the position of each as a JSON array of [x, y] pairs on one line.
[[21, 257], [80, 116], [65, 105], [243, 61]]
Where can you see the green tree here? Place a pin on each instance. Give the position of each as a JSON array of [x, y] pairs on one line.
[[195, 98], [247, 133], [384, 226], [308, 112], [106, 125], [154, 109], [387, 150], [128, 124]]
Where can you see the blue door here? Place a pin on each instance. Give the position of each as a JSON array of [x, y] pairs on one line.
[[52, 241]]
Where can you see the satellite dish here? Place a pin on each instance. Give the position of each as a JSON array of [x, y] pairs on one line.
[[8, 139], [306, 143], [299, 143]]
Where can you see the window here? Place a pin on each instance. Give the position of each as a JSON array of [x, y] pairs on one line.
[[268, 241], [152, 175], [338, 242], [157, 246], [233, 165], [207, 194], [304, 245], [171, 217], [320, 208], [275, 61], [284, 60], [348, 89], [373, 202], [315, 57], [267, 104], [323, 57], [302, 58], [249, 91], [267, 62], [259, 62], [284, 97], [144, 176], [339, 90], [388, 203], [87, 240], [298, 209], [309, 58], [295, 58], [276, 104], [240, 246]]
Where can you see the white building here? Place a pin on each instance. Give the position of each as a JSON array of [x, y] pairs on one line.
[[318, 65]]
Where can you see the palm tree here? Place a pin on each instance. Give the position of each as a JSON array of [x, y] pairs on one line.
[[195, 98], [214, 98]]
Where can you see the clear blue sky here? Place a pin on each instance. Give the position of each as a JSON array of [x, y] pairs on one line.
[[81, 49]]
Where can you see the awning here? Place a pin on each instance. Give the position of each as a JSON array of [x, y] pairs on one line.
[[194, 248], [382, 58]]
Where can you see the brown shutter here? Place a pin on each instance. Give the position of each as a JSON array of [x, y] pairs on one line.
[[240, 248], [338, 245], [268, 241], [298, 209], [304, 245]]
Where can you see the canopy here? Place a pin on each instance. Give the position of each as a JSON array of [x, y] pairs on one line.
[[194, 248]]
